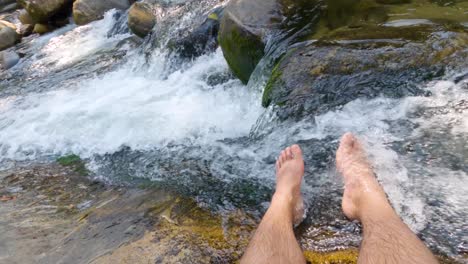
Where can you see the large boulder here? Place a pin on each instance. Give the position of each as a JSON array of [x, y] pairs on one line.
[[85, 11], [247, 25], [44, 10], [318, 77], [141, 18], [8, 35], [242, 32]]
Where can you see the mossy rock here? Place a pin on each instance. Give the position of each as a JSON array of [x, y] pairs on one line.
[[8, 35], [75, 162], [141, 19], [247, 26], [241, 35], [42, 10], [320, 77], [86, 11]]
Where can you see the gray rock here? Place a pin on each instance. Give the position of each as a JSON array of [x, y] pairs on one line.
[[85, 11], [8, 35], [8, 59]]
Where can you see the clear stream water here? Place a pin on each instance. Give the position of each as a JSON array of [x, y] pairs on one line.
[[131, 114]]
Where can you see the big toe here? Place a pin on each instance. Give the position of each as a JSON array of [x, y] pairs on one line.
[[296, 152], [347, 143]]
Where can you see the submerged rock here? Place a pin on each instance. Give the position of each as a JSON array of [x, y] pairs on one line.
[[8, 35], [85, 11], [141, 18], [44, 10]]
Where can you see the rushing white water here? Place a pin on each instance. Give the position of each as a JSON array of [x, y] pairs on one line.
[[79, 42], [131, 106]]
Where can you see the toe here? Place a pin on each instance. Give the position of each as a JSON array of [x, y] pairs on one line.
[[346, 144], [282, 157], [277, 165], [289, 154], [296, 152]]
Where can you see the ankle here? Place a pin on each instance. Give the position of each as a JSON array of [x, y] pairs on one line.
[[283, 202], [375, 209]]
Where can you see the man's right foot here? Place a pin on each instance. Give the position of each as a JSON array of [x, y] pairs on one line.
[[362, 190]]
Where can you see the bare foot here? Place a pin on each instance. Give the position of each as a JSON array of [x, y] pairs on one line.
[[361, 187], [289, 173]]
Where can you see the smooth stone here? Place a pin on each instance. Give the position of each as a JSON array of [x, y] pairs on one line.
[[86, 11], [8, 35], [8, 59], [141, 19]]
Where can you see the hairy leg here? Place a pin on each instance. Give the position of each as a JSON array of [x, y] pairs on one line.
[[386, 239], [274, 240]]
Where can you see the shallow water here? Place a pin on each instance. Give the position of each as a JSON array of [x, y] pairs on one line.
[[196, 129]]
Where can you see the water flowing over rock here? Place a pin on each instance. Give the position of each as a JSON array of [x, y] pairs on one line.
[[8, 5], [201, 40], [316, 78], [8, 35], [85, 11]]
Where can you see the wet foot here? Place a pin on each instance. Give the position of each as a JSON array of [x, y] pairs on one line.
[[289, 173], [362, 190]]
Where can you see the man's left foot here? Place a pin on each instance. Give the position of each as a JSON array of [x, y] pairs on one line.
[[289, 174]]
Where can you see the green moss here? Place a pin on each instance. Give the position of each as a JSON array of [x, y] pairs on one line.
[[272, 82], [242, 49], [213, 16], [74, 161]]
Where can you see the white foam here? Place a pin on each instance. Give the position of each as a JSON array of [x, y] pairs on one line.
[[72, 43], [129, 108]]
